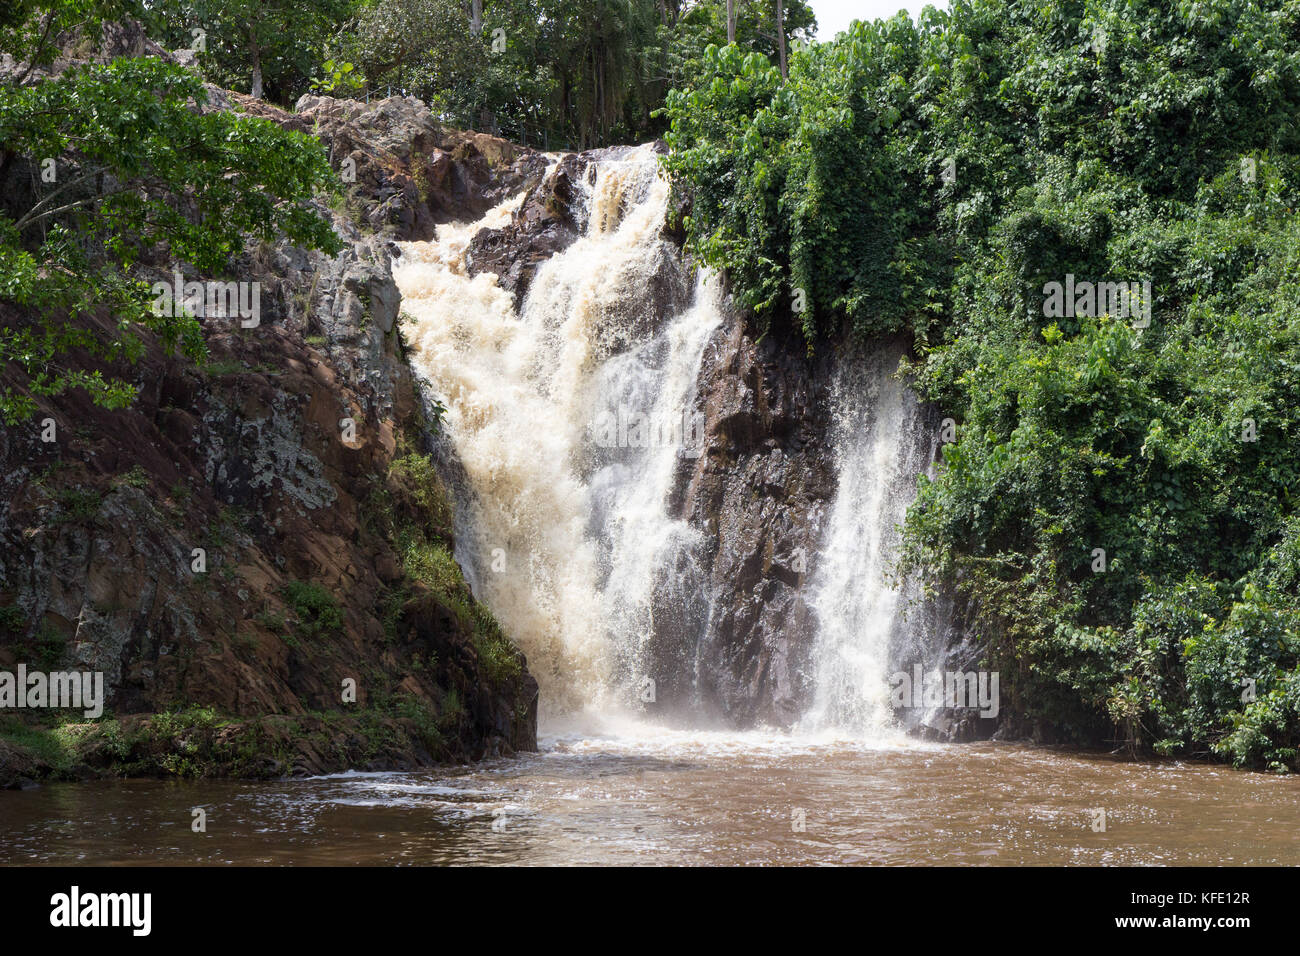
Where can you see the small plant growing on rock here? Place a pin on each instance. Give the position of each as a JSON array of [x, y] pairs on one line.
[[496, 654], [12, 620], [51, 647], [317, 609], [75, 505], [135, 478], [272, 622], [338, 78], [453, 711], [417, 477]]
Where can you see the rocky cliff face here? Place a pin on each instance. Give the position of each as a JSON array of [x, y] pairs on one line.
[[760, 493], [242, 544]]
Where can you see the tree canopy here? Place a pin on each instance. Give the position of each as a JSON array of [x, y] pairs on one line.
[[580, 73]]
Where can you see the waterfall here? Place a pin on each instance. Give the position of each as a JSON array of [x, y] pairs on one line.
[[881, 445], [567, 418]]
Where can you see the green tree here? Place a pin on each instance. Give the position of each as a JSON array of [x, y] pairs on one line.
[[799, 193], [267, 48], [137, 171], [588, 72]]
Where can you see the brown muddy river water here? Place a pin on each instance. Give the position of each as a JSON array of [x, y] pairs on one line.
[[652, 796]]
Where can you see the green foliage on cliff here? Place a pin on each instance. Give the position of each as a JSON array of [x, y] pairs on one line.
[[935, 179], [413, 511], [800, 190], [106, 166], [545, 72], [317, 610]]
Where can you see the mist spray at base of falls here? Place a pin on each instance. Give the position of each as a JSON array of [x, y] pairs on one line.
[[564, 533]]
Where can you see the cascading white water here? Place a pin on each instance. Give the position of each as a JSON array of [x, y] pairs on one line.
[[880, 448], [558, 417]]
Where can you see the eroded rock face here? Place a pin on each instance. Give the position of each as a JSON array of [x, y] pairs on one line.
[[760, 493], [249, 464], [161, 544]]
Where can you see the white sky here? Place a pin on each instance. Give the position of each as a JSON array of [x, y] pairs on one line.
[[835, 15]]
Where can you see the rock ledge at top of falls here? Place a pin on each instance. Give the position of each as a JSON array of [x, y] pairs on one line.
[[412, 173], [218, 673]]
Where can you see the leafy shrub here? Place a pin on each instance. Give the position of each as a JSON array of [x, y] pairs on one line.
[[317, 610], [12, 620]]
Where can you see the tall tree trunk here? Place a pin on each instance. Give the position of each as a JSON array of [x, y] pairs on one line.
[[256, 92], [731, 21], [476, 16], [780, 35]]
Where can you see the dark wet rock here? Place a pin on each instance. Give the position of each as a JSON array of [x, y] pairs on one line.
[[551, 218], [759, 494]]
